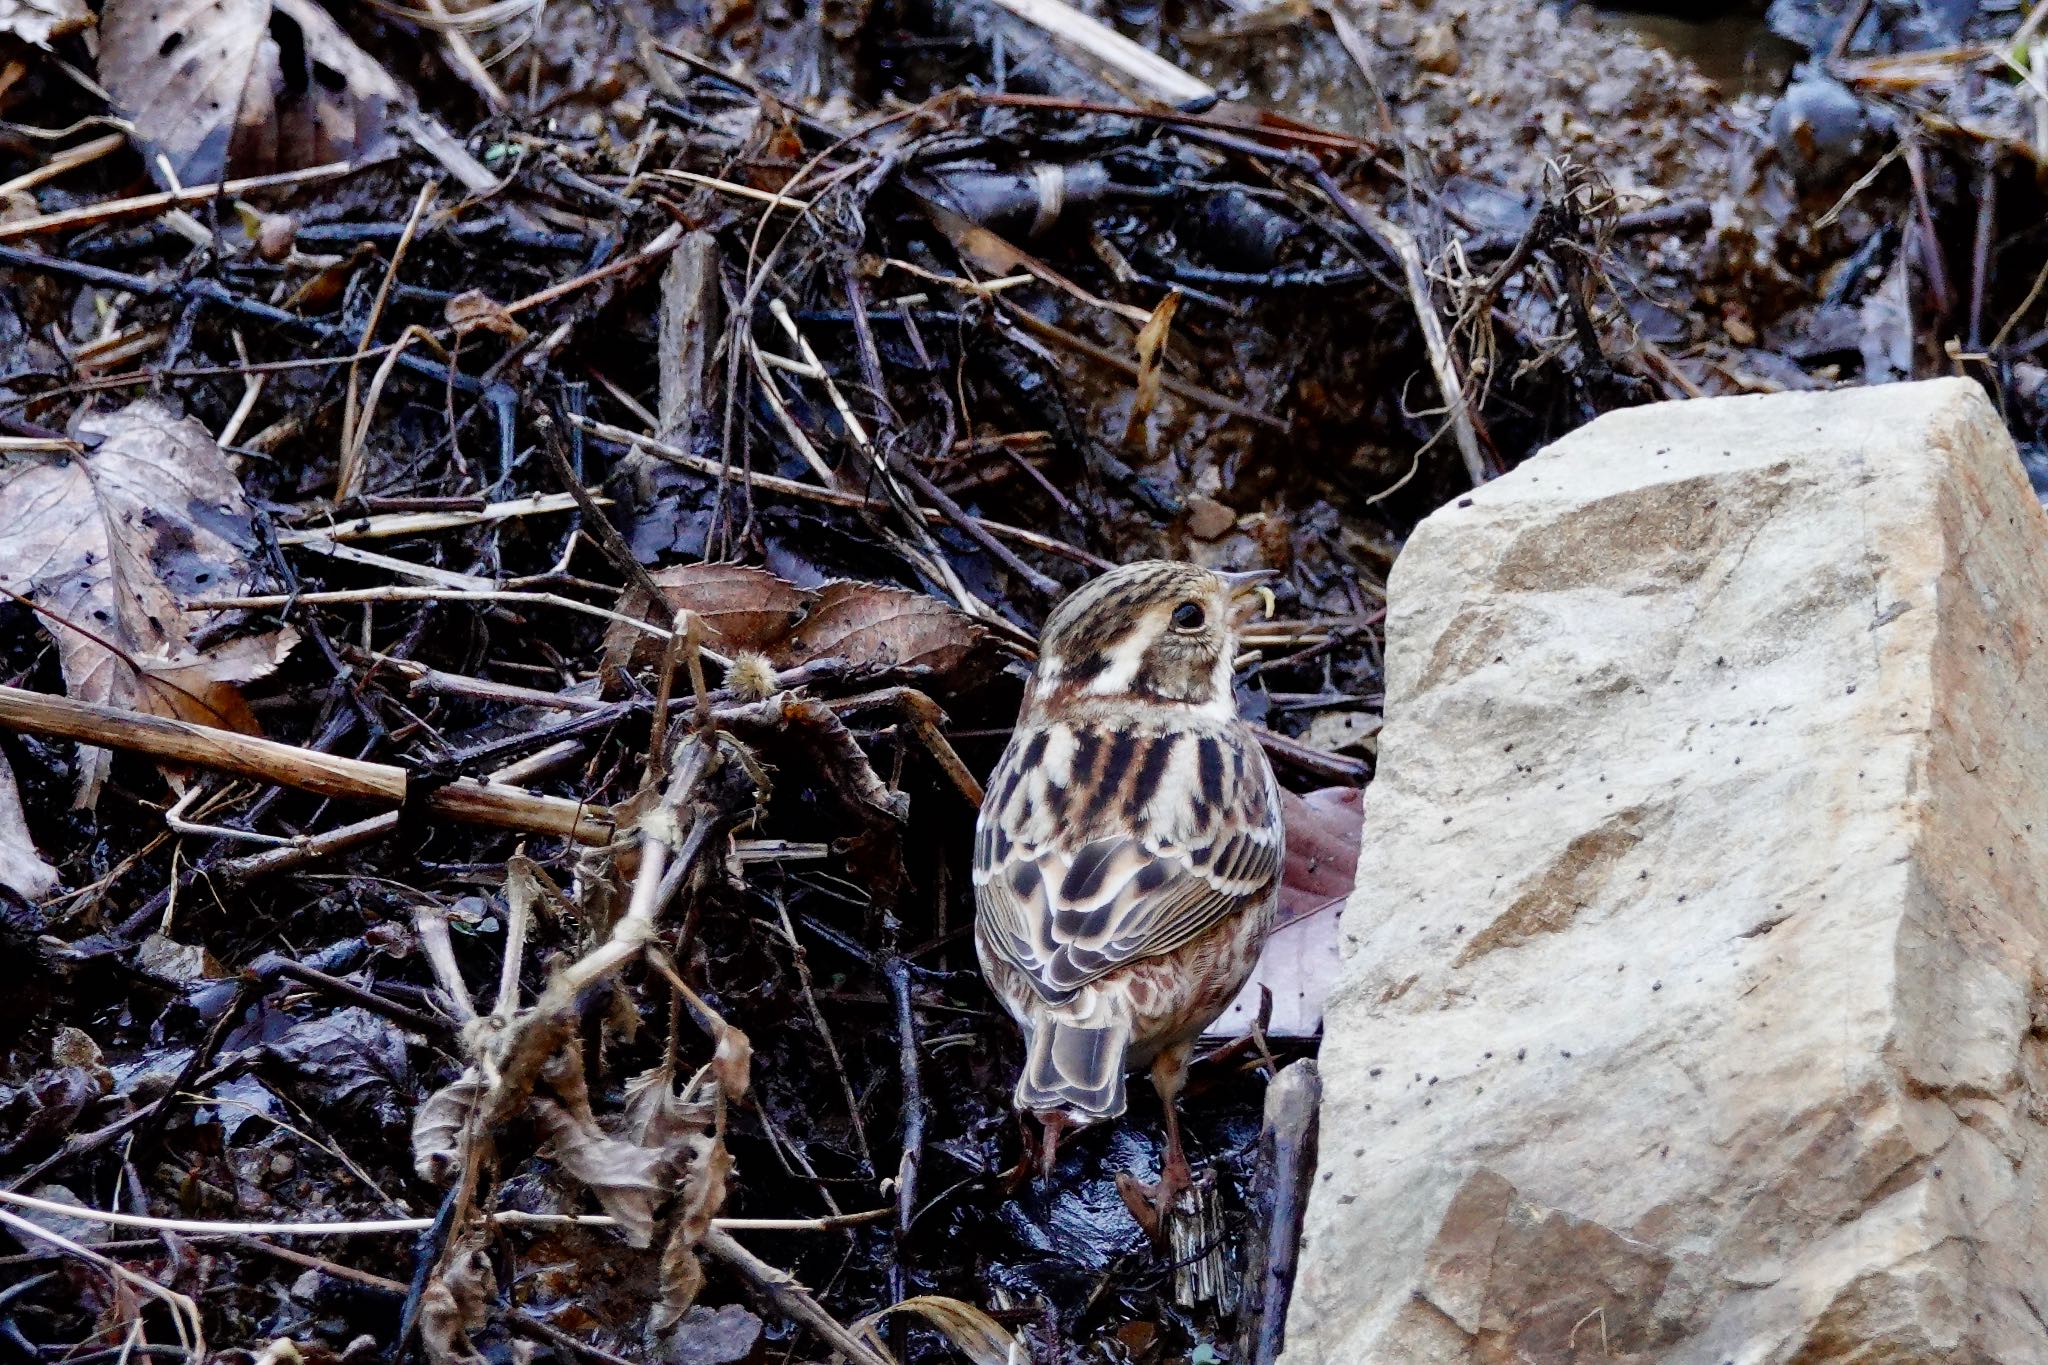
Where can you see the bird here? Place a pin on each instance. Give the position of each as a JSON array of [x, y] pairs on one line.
[[1127, 855]]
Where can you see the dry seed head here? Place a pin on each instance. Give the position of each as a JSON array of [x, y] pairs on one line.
[[752, 677]]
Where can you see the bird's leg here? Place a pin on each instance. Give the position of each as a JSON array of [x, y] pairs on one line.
[[1055, 1123], [1153, 1204]]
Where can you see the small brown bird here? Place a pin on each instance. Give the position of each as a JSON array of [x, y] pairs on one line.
[[1128, 853]]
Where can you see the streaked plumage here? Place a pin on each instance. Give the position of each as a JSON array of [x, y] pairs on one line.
[[1128, 852]]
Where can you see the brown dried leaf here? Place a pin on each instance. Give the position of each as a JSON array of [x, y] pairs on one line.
[[181, 962], [475, 311], [732, 1061], [240, 87], [839, 758], [655, 1116], [439, 1148], [742, 608], [625, 1178], [694, 1156], [456, 1302], [682, 1280], [1322, 831], [37, 21], [703, 1195], [1299, 962], [22, 869], [873, 625], [111, 543], [1151, 357], [978, 1336]]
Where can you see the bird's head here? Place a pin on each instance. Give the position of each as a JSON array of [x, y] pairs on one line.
[[1157, 631]]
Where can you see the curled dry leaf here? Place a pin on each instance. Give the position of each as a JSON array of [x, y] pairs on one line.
[[22, 869], [977, 1336], [684, 1131], [457, 1302], [702, 1196], [839, 758], [624, 1177], [752, 611], [655, 1116], [439, 1129], [110, 543], [38, 21], [873, 625], [732, 1061], [1151, 360], [629, 1179], [475, 311], [241, 87], [742, 608]]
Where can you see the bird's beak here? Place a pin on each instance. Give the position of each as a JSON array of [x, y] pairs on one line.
[[1247, 586]]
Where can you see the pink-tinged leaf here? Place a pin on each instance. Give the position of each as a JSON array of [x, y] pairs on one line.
[[1301, 957]]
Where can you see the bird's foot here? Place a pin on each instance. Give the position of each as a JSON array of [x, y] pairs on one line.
[[1153, 1205], [1041, 1150]]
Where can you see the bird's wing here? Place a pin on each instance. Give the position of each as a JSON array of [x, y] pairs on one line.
[[1100, 848]]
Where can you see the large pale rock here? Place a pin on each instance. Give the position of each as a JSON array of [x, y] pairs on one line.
[[1692, 1007]]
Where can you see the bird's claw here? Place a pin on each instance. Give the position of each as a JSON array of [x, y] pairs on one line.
[[1152, 1205]]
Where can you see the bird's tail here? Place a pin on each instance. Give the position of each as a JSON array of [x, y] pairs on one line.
[[1076, 1070]]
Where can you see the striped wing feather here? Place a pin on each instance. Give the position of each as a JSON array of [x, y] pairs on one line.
[[1099, 849]]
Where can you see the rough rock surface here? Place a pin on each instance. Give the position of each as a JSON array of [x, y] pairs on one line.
[[1693, 1005]]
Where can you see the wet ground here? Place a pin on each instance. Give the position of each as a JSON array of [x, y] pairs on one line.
[[1542, 212]]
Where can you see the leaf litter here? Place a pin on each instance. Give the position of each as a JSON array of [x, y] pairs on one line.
[[111, 541], [723, 412]]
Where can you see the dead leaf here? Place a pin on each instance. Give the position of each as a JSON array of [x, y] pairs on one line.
[[732, 1061], [1299, 962], [439, 1142], [683, 1130], [241, 87], [655, 1116], [457, 1302], [624, 1177], [1298, 966], [741, 607], [873, 625], [703, 1195], [1322, 830], [75, 1047], [22, 869], [475, 311], [753, 611], [110, 543], [682, 1280], [1151, 358], [351, 1065], [38, 21], [175, 961], [628, 1179], [40, 1113], [978, 1336]]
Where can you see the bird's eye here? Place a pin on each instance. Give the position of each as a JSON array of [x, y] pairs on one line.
[[1188, 616]]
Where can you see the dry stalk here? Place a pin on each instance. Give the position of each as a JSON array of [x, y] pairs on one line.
[[287, 765]]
